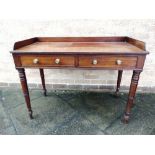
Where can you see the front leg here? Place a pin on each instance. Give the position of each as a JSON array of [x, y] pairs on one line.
[[132, 92], [23, 81]]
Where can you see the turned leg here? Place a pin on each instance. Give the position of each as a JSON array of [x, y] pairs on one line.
[[132, 92], [23, 81], [118, 81], [43, 81]]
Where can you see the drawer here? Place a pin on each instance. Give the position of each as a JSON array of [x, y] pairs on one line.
[[108, 61], [45, 61]]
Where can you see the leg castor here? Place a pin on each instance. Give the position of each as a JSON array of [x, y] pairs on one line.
[[31, 114], [126, 118], [116, 94], [45, 93]]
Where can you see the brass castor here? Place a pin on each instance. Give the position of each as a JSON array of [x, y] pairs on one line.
[[45, 93], [116, 94], [126, 118], [31, 114]]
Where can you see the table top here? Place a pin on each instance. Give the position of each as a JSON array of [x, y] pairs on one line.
[[82, 46]]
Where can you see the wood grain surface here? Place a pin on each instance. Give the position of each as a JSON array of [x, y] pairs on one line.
[[80, 47]]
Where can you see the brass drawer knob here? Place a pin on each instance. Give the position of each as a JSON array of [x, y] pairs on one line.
[[118, 62], [57, 61], [35, 61], [94, 62]]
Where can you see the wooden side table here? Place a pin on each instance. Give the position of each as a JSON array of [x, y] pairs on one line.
[[107, 53]]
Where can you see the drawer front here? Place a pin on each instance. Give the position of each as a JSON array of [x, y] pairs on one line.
[[47, 61], [108, 61]]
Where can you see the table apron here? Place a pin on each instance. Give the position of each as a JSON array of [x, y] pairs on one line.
[[109, 62]]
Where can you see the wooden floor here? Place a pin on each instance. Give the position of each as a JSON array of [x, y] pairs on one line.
[[80, 47]]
